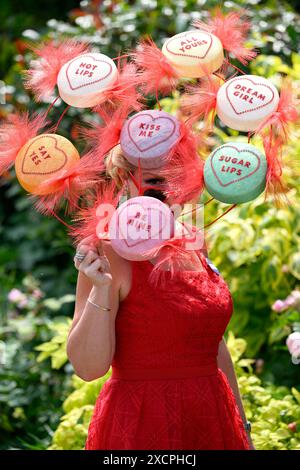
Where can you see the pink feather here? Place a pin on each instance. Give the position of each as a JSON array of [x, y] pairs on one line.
[[124, 90], [68, 185], [232, 31], [174, 255], [200, 100], [275, 186], [183, 169], [90, 218], [286, 114], [156, 73], [15, 133], [41, 78], [106, 135]]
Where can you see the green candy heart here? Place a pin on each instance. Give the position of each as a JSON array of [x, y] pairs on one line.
[[235, 173]]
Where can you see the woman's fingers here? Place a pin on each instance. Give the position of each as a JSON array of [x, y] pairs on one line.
[[89, 256], [96, 267], [100, 249], [87, 242], [95, 263], [83, 249]]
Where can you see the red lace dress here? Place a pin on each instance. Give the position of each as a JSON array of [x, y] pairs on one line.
[[166, 391]]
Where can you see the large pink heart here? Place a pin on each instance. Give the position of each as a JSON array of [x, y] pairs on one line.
[[142, 146], [102, 73], [60, 156], [245, 106], [228, 175], [172, 44], [130, 242]]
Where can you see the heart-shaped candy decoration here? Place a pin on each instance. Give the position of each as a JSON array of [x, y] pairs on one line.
[[149, 135], [194, 53], [82, 80], [235, 173], [87, 70], [245, 101], [138, 225], [195, 44], [245, 95], [42, 157]]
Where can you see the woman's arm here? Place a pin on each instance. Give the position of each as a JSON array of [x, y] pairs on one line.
[[91, 339], [226, 365]]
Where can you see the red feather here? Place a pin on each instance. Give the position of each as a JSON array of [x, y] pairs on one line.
[[174, 255], [275, 186], [15, 133], [156, 73], [286, 113], [68, 185], [183, 169], [104, 136], [124, 90], [41, 78], [200, 100], [232, 31], [93, 220]]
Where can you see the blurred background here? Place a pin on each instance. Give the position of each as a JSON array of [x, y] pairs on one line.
[[256, 246]]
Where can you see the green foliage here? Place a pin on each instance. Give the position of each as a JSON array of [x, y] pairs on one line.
[[31, 392], [273, 411], [56, 347], [72, 430], [255, 248]]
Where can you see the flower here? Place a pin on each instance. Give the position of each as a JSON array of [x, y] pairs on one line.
[[18, 297], [37, 293], [293, 343], [23, 302], [279, 306], [15, 295], [292, 300], [295, 295]]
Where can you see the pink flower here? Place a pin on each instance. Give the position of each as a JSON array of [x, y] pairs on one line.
[[296, 297], [18, 297], [293, 344], [290, 300], [23, 302], [15, 295], [37, 293], [278, 306]]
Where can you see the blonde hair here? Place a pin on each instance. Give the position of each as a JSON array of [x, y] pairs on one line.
[[117, 166]]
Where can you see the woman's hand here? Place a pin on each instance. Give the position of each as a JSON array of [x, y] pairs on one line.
[[95, 264]]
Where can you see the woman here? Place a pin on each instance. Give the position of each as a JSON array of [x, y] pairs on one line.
[[173, 384]]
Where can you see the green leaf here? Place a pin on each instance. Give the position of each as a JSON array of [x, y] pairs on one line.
[[294, 264]]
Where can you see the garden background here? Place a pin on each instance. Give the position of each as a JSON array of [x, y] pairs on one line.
[[256, 246]]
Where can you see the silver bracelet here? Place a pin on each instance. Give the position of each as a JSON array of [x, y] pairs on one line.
[[247, 426], [99, 306]]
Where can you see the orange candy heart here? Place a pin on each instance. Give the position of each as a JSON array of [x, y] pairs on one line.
[[43, 157]]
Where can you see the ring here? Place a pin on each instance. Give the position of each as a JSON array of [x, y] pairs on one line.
[[79, 256]]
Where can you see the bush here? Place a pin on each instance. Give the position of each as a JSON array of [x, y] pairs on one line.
[[31, 391]]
